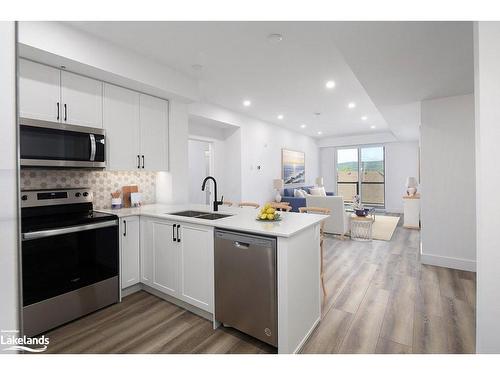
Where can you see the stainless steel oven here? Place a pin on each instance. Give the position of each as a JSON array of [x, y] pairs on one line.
[[52, 144], [69, 258]]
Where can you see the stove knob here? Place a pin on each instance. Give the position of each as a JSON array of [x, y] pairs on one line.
[[77, 195], [24, 198], [85, 194]]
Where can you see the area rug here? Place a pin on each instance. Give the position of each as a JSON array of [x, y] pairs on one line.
[[384, 226]]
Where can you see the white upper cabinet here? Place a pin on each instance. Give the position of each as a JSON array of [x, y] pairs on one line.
[[39, 91], [136, 124], [50, 94], [122, 123], [81, 99], [154, 133]]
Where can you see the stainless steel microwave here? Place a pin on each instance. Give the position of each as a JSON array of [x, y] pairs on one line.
[[52, 144]]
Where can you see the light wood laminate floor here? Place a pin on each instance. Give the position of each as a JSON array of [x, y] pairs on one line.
[[380, 300]]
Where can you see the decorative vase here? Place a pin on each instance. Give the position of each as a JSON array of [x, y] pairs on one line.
[[362, 213], [411, 191], [278, 197]]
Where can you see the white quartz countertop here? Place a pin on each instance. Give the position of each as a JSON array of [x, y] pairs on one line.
[[241, 219]]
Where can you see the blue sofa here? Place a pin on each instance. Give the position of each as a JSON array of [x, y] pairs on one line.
[[295, 203]]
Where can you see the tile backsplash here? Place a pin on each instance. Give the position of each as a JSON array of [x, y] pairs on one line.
[[102, 183]]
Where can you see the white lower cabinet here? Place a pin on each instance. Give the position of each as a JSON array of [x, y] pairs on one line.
[[178, 260], [196, 265], [146, 257], [130, 249], [165, 258]]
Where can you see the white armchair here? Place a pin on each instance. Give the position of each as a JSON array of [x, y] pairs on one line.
[[339, 220]]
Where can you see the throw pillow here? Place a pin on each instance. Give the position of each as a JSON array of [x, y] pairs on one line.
[[297, 193], [318, 191]]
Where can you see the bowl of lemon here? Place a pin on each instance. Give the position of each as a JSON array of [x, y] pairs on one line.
[[267, 213]]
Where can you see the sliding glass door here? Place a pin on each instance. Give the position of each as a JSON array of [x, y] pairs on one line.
[[361, 171], [347, 173]]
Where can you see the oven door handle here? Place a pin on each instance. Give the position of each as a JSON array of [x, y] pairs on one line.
[[92, 147], [77, 228]]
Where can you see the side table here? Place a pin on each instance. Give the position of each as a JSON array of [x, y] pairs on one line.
[[361, 228]]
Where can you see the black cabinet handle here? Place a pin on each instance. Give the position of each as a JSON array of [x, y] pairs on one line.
[[138, 161], [65, 112], [124, 228], [173, 233], [142, 161], [178, 237], [58, 111]]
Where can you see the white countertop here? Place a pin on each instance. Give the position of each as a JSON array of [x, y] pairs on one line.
[[242, 219]]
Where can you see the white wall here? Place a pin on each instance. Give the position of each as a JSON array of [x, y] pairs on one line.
[[361, 139], [487, 96], [226, 150], [327, 168], [448, 182], [9, 305], [172, 186], [232, 165], [199, 168], [401, 161], [261, 145]]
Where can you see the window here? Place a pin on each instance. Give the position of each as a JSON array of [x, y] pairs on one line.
[[361, 171]]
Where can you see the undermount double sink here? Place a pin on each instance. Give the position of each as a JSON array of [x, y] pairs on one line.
[[200, 215]]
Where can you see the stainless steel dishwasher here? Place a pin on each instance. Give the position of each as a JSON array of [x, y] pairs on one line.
[[246, 284]]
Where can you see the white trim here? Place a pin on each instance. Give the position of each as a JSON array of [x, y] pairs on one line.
[[306, 337], [449, 262]]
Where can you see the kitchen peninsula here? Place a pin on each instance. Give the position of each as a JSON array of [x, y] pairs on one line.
[[172, 256]]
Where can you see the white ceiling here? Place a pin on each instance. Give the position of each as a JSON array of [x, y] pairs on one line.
[[403, 62], [395, 63]]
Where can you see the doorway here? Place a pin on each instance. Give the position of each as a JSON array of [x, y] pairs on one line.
[[200, 166]]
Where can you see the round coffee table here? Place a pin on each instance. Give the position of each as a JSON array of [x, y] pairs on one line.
[[361, 228]]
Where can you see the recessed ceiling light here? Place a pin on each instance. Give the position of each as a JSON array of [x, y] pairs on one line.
[[320, 132], [303, 126], [247, 103], [275, 38], [330, 84], [351, 105], [280, 117], [372, 127], [364, 118]]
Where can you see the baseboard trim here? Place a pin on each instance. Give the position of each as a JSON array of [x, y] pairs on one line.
[[131, 290], [449, 262], [186, 306], [178, 302]]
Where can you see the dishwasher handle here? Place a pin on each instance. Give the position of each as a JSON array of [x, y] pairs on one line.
[[241, 245], [244, 240]]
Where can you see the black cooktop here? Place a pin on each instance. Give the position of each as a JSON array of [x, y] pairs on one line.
[[31, 223]]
